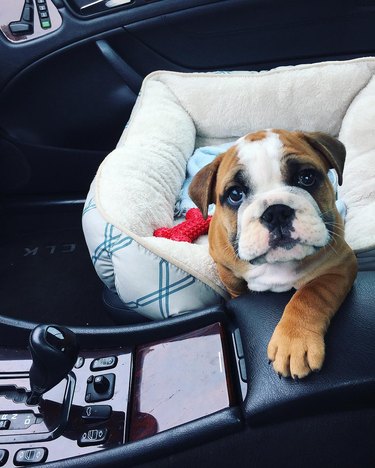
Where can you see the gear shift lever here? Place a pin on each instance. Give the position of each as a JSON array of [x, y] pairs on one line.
[[54, 351]]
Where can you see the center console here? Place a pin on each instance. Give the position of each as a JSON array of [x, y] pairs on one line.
[[108, 397], [198, 383]]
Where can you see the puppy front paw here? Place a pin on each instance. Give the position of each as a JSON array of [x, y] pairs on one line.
[[295, 351]]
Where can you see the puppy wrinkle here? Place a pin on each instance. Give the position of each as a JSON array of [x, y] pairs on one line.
[[328, 220], [233, 239], [261, 158], [242, 179]]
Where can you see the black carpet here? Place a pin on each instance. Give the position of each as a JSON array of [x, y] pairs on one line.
[[46, 275]]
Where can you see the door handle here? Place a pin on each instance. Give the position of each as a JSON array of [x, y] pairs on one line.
[[96, 6]]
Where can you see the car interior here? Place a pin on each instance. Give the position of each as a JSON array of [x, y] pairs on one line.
[[87, 381]]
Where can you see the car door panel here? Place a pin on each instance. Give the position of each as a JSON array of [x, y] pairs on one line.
[[65, 97], [256, 35]]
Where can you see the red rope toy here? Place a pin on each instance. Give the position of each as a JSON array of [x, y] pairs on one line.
[[187, 231]]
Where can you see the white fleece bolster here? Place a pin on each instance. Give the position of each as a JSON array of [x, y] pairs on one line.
[[137, 185]]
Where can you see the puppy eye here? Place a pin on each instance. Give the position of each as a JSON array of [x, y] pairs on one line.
[[306, 178], [235, 196]]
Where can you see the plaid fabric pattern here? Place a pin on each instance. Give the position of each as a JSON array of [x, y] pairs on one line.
[[145, 282], [166, 289]]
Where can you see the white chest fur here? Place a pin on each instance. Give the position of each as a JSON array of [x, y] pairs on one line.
[[276, 277]]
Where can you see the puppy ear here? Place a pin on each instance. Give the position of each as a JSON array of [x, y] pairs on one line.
[[331, 148], [202, 187]]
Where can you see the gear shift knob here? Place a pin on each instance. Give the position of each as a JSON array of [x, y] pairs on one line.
[[54, 351]]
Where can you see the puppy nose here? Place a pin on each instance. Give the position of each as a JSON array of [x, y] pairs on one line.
[[277, 216]]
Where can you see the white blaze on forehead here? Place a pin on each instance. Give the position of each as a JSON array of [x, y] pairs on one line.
[[262, 160]]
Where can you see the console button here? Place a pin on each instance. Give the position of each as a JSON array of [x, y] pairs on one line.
[[79, 362], [104, 363], [28, 14], [30, 456], [100, 388], [43, 14], [46, 24], [19, 28], [238, 342], [101, 384], [93, 437], [4, 454], [96, 413], [242, 367], [4, 424]]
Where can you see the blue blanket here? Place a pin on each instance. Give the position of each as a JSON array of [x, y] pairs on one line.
[[200, 158]]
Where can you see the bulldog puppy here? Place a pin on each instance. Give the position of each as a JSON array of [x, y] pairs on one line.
[[276, 227]]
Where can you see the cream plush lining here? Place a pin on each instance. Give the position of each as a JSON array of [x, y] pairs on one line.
[[138, 183]]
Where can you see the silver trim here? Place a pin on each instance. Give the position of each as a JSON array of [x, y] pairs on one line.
[[116, 3], [89, 5]]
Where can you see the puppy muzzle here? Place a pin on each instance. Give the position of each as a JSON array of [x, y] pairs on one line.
[[280, 226]]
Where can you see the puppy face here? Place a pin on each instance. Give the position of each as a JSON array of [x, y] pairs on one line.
[[272, 194]]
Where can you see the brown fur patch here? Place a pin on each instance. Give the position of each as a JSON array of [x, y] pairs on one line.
[[256, 136]]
